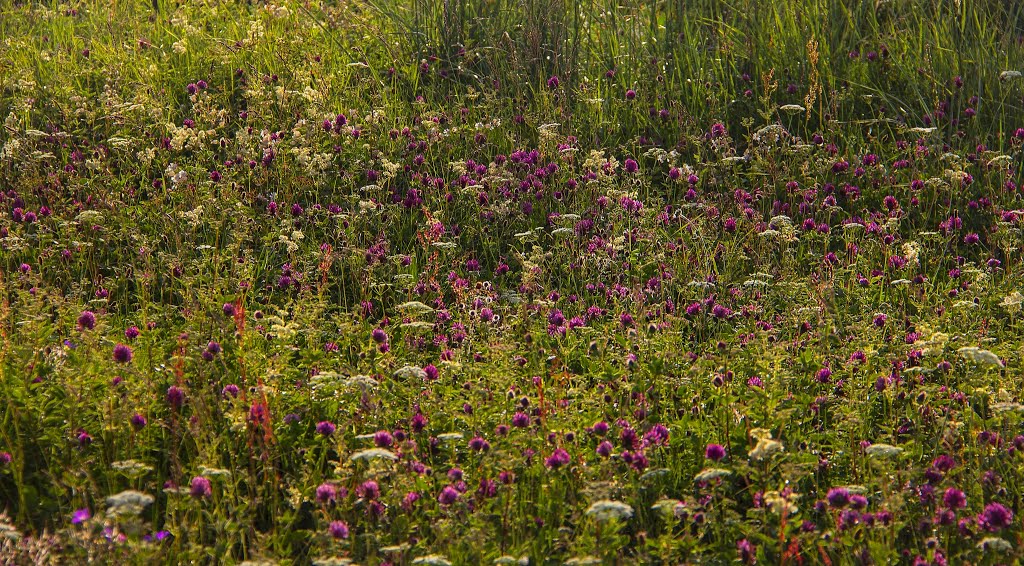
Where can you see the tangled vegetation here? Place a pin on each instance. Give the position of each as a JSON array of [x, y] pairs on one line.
[[511, 282]]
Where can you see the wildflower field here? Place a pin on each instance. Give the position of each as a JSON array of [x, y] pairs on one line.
[[511, 282]]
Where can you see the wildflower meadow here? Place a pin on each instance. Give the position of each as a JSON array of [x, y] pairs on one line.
[[524, 282]]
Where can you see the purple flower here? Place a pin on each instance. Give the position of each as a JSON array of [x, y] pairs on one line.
[[132, 332], [954, 499], [448, 496], [557, 459], [520, 420], [368, 490], [80, 516], [631, 166], [326, 493], [714, 452], [379, 336], [326, 428], [478, 444], [86, 320], [995, 517], [838, 497], [138, 421], [175, 396], [747, 552], [553, 82], [200, 487], [338, 529], [383, 439], [122, 354]]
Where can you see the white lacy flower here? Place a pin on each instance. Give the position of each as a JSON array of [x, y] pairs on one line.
[[607, 509]]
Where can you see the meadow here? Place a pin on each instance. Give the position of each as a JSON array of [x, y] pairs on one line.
[[431, 282]]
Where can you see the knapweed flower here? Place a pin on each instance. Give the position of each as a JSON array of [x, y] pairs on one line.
[[138, 421], [200, 488], [714, 452], [338, 529], [122, 354]]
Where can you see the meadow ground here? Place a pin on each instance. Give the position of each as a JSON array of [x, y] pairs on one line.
[[511, 281]]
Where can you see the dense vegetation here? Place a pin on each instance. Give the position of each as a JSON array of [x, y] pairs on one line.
[[495, 281]]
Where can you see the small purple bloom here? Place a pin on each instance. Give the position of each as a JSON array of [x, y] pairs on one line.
[[122, 354], [200, 487], [714, 452], [325, 428], [338, 529], [80, 516]]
